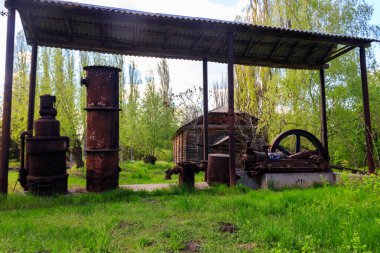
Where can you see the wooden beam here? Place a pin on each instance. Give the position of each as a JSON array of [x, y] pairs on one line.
[[339, 53], [197, 40], [223, 44], [166, 38], [69, 27], [102, 33], [135, 33], [292, 51], [249, 46], [274, 49], [327, 53], [217, 38], [310, 52], [30, 25]]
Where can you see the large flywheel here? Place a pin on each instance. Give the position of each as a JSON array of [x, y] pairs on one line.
[[296, 140]]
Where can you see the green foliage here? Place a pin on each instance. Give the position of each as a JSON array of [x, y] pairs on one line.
[[157, 115], [288, 99], [20, 88], [130, 132]]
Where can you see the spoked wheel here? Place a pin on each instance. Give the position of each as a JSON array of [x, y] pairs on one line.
[[297, 140]]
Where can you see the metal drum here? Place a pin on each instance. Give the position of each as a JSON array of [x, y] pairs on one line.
[[102, 135], [218, 169], [46, 153]]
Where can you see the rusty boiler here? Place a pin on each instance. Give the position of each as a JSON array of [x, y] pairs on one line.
[[102, 134], [46, 153]]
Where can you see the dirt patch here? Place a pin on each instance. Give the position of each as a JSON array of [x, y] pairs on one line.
[[77, 190], [247, 246], [123, 224], [191, 246], [151, 201], [228, 228]]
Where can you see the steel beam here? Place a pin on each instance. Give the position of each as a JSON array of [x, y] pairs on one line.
[[205, 112], [367, 113], [32, 87], [231, 114], [323, 112], [7, 100]]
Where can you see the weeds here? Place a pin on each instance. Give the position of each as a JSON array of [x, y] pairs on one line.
[[341, 218]]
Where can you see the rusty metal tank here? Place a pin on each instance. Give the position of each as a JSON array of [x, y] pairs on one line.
[[218, 169], [102, 134], [46, 153]]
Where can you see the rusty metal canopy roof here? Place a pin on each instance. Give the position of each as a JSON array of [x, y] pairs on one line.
[[71, 25]]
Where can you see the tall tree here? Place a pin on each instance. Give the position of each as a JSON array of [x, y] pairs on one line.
[[167, 106], [65, 87], [150, 116], [284, 99], [130, 131], [20, 92]]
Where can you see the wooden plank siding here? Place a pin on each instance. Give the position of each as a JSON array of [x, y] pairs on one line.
[[189, 138]]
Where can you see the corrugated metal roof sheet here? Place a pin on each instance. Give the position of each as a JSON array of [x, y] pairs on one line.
[[95, 28]]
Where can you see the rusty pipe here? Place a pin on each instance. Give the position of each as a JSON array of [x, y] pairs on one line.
[[175, 170], [84, 81], [23, 172]]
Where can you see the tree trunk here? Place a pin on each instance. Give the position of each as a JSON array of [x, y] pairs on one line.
[[77, 154]]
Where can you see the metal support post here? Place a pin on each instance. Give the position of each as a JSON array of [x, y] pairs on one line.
[[323, 112], [7, 101], [205, 113], [32, 87], [231, 111], [367, 113]]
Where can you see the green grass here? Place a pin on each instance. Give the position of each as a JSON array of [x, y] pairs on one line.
[[131, 173], [344, 218]]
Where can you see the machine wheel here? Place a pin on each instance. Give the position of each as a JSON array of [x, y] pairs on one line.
[[278, 142]]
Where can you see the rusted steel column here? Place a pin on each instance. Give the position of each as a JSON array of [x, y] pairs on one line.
[[323, 112], [367, 113], [32, 87], [102, 137], [205, 113], [205, 110], [231, 114], [7, 100]]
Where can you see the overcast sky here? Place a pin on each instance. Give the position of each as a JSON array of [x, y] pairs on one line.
[[184, 74]]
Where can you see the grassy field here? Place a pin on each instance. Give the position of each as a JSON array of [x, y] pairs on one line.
[[344, 218], [131, 173]]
